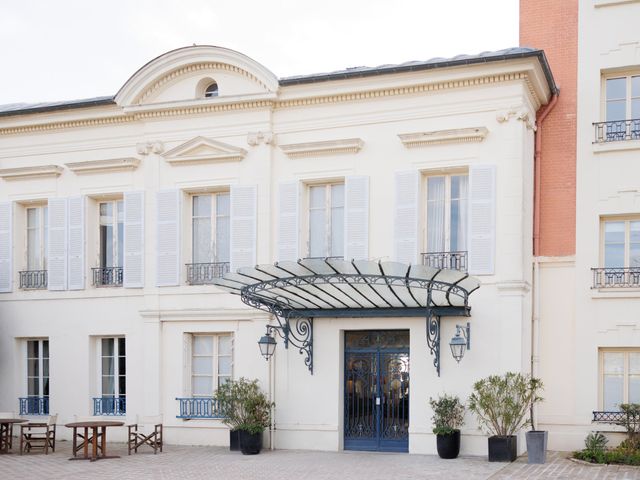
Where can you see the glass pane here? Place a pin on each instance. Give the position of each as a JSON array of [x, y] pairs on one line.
[[616, 88], [634, 363], [33, 249], [635, 112], [202, 386], [107, 366], [45, 237], [121, 346], [435, 214], [106, 213], [337, 231], [45, 386], [45, 349], [614, 363], [202, 345], [202, 366], [612, 392], [224, 345], [337, 195], [108, 387], [32, 349], [223, 379], [459, 212], [33, 367], [224, 365], [202, 240], [634, 389], [119, 247], [122, 367], [634, 244], [107, 347], [317, 233], [202, 205], [32, 218], [223, 204], [33, 387], [616, 110], [316, 196], [45, 367], [223, 236], [614, 233], [122, 385]]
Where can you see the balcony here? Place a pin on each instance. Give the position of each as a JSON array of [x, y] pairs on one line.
[[111, 406], [448, 260], [199, 407], [34, 405], [107, 276], [622, 277], [617, 130], [205, 273], [33, 279]]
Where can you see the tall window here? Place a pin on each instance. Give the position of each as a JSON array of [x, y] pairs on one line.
[[37, 230], [113, 374], [620, 378], [111, 234], [212, 362], [446, 213], [38, 368], [326, 220], [623, 98], [211, 228], [621, 243]]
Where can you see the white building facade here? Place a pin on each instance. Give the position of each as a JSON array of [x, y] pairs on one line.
[[117, 215]]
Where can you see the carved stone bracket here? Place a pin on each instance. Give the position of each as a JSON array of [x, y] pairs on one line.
[[256, 138], [518, 114], [150, 147]]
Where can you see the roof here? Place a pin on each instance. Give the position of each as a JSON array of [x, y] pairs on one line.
[[354, 72]]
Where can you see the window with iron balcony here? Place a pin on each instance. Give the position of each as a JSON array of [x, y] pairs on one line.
[[37, 400], [113, 377], [620, 254], [35, 275], [110, 271], [446, 220], [621, 110]]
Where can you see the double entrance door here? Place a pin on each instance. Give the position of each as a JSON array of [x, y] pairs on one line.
[[376, 390]]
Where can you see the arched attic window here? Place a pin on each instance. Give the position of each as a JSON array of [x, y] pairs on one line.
[[211, 90]]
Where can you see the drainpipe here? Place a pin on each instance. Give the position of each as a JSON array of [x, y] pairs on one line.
[[535, 314]]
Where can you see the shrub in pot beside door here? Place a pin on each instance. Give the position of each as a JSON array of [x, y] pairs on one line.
[[448, 417], [501, 403], [246, 410]]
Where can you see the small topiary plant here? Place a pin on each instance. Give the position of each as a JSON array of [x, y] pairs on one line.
[[448, 414]]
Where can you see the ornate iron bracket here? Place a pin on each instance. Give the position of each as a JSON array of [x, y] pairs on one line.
[[300, 336], [433, 333]]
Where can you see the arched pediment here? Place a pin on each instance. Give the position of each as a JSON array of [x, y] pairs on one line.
[[184, 74]]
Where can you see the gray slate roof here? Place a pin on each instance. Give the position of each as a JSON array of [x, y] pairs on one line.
[[353, 72]]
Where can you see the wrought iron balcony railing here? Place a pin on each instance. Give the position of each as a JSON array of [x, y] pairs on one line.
[[205, 273], [107, 276], [199, 407], [623, 277], [450, 260], [617, 130], [34, 405], [617, 418], [109, 405], [33, 279]]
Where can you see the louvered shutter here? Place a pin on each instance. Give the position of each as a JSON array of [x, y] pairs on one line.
[[356, 220], [187, 358], [6, 247], [482, 219], [57, 248], [133, 268], [405, 228], [244, 203], [76, 269], [288, 221], [168, 238]]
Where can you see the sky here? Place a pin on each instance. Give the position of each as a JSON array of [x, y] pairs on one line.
[[71, 49]]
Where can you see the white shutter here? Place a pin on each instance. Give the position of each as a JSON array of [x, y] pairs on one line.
[[244, 203], [405, 228], [133, 268], [57, 249], [288, 221], [168, 238], [482, 219], [356, 219], [76, 270], [187, 345], [6, 247]]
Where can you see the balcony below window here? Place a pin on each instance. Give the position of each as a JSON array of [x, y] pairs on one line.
[[33, 279], [617, 130], [107, 276], [448, 260], [109, 406], [199, 407], [623, 277], [205, 273], [34, 405]]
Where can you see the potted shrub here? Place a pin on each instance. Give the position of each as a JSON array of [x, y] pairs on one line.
[[501, 402], [246, 410], [536, 439], [448, 417]]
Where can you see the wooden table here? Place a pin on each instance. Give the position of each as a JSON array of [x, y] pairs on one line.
[[6, 429], [98, 428]]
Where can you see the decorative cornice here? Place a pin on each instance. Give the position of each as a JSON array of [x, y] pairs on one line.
[[231, 314], [518, 114], [22, 173], [330, 147], [202, 150], [457, 135], [98, 166]]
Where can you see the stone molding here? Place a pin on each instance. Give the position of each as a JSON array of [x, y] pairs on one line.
[[330, 147], [456, 135], [214, 151], [150, 147], [23, 173], [188, 315], [99, 166], [256, 138]]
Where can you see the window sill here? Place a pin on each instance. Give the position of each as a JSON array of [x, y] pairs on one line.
[[621, 146], [610, 3], [622, 292]]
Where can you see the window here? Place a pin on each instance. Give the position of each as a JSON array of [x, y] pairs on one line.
[[620, 378], [621, 243], [622, 98], [111, 244], [211, 363], [326, 220], [211, 228], [211, 90], [37, 400], [113, 377], [446, 221], [37, 240]]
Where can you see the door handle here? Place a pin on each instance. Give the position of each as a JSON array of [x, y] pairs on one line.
[[377, 400]]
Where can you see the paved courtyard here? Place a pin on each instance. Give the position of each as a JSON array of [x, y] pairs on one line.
[[218, 463]]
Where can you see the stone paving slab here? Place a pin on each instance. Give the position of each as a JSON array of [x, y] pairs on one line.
[[218, 463]]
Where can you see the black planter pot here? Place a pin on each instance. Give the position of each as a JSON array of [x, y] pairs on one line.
[[250, 444], [448, 445], [234, 440], [503, 449]]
